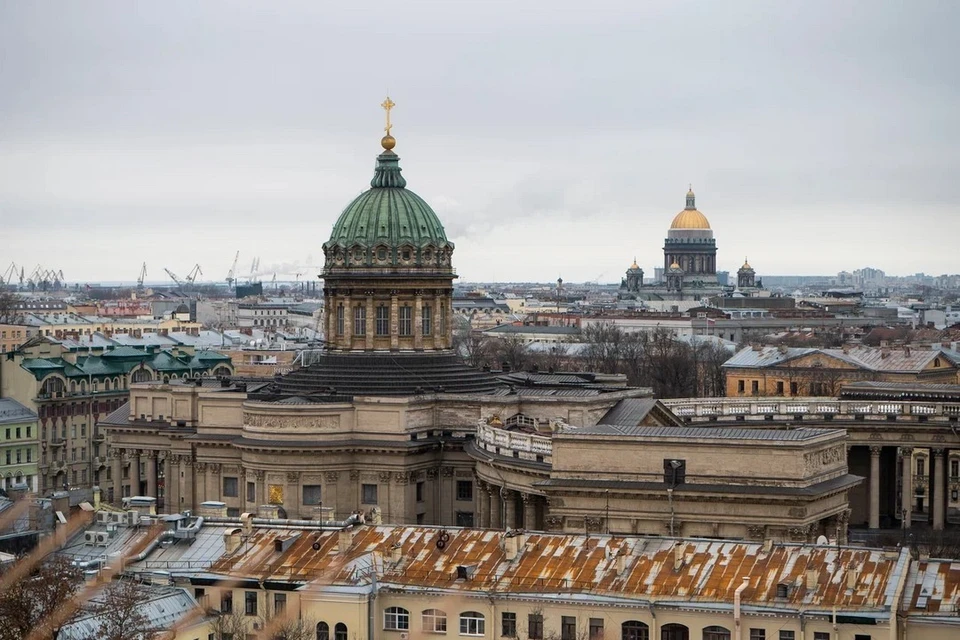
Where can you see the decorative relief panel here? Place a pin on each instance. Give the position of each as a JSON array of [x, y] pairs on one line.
[[276, 494], [327, 423], [824, 457]]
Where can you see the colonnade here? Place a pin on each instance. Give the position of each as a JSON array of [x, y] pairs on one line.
[[922, 486], [499, 507], [145, 484]]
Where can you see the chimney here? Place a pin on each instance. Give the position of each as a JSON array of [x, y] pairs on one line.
[[768, 545], [396, 552], [510, 546], [812, 579], [231, 540], [344, 541], [268, 511], [677, 555], [213, 509], [246, 520], [906, 351], [853, 574], [621, 562]]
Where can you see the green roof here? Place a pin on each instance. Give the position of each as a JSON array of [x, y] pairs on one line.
[[389, 216]]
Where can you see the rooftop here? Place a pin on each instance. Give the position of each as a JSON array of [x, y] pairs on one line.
[[12, 412]]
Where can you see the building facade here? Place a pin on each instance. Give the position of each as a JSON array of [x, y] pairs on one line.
[[19, 445]]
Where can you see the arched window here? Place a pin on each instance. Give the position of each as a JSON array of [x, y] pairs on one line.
[[221, 371], [434, 621], [141, 375], [634, 630], [936, 362], [472, 623], [106, 384], [323, 631], [716, 633], [340, 631], [73, 386], [51, 386], [359, 320], [674, 631], [396, 619]]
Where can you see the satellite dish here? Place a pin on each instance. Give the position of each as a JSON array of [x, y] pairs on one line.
[[822, 540]]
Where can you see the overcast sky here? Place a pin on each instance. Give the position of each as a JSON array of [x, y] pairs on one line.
[[552, 138]]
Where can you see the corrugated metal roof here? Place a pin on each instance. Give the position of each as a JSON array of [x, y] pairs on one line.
[[629, 411], [872, 359], [12, 411], [713, 433], [710, 570]]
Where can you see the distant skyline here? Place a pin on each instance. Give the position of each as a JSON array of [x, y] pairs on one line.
[[551, 140]]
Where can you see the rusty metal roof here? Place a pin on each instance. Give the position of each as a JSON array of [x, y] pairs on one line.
[[709, 571], [933, 588]]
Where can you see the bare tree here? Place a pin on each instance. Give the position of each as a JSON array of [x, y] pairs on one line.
[[10, 312], [119, 612], [27, 606], [231, 626]]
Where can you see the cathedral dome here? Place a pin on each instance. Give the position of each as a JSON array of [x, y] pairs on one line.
[[690, 218], [388, 225]]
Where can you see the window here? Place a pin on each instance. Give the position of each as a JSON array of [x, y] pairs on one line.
[[471, 624], [434, 621], [716, 633], [508, 625], [535, 626], [596, 628], [740, 386], [821, 635], [779, 387], [369, 493], [83, 429], [340, 631], [396, 619], [465, 490], [359, 320], [758, 634], [339, 332], [754, 387], [419, 492], [311, 494], [251, 491], [674, 471], [323, 631], [250, 603], [634, 630], [279, 603], [862, 636], [954, 468], [230, 489], [30, 455], [921, 464], [464, 519], [786, 635], [20, 454], [226, 601], [406, 321], [383, 320], [794, 389], [568, 628], [18, 432], [426, 319]]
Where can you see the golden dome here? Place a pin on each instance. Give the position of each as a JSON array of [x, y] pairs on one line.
[[388, 142], [746, 265], [634, 265], [674, 265], [690, 218]]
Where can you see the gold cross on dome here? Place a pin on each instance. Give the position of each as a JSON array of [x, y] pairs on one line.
[[387, 105]]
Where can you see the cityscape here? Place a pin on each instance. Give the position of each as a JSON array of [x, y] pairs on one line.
[[572, 360]]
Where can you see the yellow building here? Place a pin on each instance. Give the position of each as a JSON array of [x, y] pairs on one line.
[[793, 371]]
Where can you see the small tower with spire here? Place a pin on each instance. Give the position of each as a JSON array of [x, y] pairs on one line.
[[746, 276]]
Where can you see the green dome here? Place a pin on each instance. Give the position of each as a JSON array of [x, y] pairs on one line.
[[387, 224]]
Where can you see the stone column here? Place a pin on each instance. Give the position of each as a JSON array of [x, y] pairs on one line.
[[439, 332], [330, 309], [117, 473], [371, 324], [214, 486], [418, 320], [509, 510], [261, 487], [496, 521], [875, 486], [937, 488], [906, 485], [152, 473], [168, 484], [134, 456], [181, 481], [394, 321], [291, 496], [529, 511], [199, 483], [481, 507]]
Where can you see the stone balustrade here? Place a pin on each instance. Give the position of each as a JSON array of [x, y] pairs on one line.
[[524, 446], [709, 409]]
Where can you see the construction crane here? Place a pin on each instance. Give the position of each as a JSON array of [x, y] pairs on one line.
[[174, 277], [9, 275], [192, 276], [233, 270], [254, 266], [143, 275]]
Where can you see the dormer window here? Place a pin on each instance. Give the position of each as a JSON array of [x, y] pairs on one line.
[[382, 253]]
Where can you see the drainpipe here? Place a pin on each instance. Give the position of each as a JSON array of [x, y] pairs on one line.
[[372, 604], [737, 627]]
